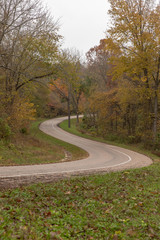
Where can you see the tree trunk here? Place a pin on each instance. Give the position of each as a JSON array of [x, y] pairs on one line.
[[69, 115], [111, 124], [69, 112], [155, 116], [116, 126], [77, 117]]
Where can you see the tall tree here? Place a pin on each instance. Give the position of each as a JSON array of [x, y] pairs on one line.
[[135, 34], [68, 81], [29, 45], [98, 65]]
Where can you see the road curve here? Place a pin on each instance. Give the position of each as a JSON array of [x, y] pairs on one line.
[[102, 157]]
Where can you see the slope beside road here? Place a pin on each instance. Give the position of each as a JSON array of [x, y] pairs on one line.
[[102, 158]]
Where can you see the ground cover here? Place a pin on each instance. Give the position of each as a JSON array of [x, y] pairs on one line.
[[36, 148], [123, 205], [118, 206]]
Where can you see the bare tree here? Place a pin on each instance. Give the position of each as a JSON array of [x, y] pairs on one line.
[[98, 66], [29, 43]]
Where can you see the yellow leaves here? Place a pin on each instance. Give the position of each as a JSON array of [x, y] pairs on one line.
[[135, 32], [43, 47], [112, 46], [143, 79], [126, 93], [103, 104], [22, 111]]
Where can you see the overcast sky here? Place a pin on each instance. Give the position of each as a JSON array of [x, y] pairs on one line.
[[83, 22]]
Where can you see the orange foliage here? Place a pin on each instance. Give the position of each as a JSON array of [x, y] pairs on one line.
[[59, 86]]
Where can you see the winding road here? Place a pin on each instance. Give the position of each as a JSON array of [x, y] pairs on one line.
[[102, 158]]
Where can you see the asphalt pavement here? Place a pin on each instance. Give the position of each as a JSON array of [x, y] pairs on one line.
[[102, 157]]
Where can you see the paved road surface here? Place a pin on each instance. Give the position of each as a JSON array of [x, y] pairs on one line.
[[102, 157]]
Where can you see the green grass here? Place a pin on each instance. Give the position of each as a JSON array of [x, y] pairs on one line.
[[135, 147], [123, 205], [37, 148], [119, 206]]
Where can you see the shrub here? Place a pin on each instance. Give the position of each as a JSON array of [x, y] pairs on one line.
[[24, 130], [5, 130], [134, 139]]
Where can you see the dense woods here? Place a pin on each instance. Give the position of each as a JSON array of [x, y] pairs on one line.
[[28, 49], [117, 88], [125, 70]]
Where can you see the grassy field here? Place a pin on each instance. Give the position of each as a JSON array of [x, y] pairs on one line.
[[114, 206], [123, 205], [36, 148]]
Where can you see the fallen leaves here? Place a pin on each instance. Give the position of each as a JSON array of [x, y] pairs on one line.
[[96, 207], [67, 193]]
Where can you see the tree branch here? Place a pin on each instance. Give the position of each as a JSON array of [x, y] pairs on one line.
[[33, 79]]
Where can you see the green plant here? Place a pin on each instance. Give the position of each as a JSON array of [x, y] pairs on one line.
[[5, 130], [24, 130], [36, 147], [122, 205], [134, 139]]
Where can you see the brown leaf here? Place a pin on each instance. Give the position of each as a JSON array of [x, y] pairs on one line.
[[115, 237], [54, 236], [67, 193], [131, 232], [47, 214]]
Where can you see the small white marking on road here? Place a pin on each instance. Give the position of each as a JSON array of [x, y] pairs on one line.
[[71, 171], [129, 158]]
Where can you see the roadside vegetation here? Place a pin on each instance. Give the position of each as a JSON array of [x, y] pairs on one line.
[[35, 147], [80, 130], [123, 205], [117, 89]]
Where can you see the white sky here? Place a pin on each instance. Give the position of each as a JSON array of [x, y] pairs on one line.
[[82, 22]]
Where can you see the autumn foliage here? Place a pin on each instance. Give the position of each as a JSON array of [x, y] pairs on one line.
[[29, 47], [125, 102]]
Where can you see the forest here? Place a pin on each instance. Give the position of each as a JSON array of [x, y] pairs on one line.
[[116, 88], [113, 192]]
